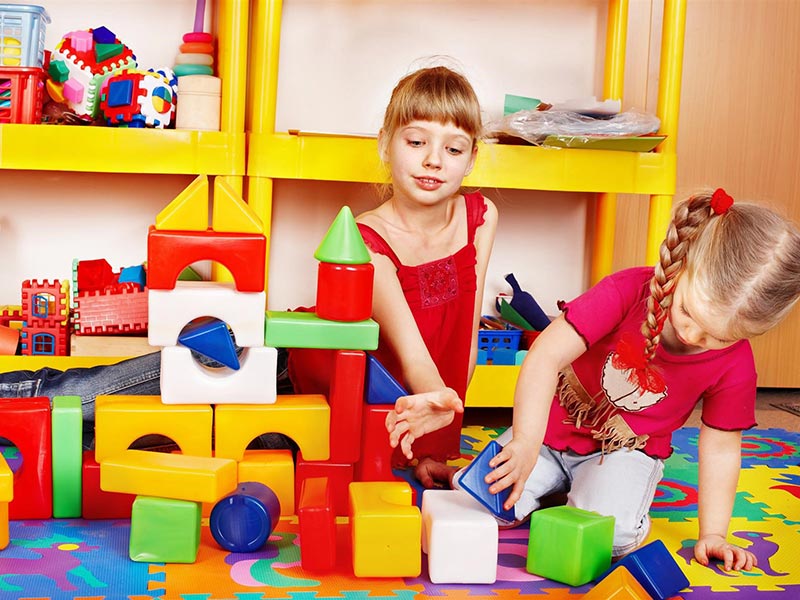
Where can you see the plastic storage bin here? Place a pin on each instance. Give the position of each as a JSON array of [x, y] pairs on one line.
[[498, 346], [21, 94], [22, 29]]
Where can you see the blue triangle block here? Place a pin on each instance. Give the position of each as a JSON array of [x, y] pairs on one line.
[[655, 569], [472, 481], [381, 387], [210, 337]]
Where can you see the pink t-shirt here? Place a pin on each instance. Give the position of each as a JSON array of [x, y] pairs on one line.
[[621, 416]]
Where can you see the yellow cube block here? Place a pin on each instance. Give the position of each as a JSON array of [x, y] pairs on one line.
[[121, 420], [386, 529], [4, 539], [6, 481], [304, 418], [273, 468], [176, 476]]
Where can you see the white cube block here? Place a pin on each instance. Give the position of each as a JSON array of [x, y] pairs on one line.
[[460, 538], [185, 381], [169, 311]]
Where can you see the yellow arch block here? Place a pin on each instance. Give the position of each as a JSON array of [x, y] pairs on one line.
[[304, 418], [121, 420], [386, 529], [164, 475]]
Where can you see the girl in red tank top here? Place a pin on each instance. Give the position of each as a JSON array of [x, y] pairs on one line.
[[430, 247]]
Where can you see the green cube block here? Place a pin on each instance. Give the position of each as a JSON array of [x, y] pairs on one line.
[[67, 456], [286, 329], [164, 530], [569, 545]]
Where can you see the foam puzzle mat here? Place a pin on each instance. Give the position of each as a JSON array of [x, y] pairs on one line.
[[74, 559]]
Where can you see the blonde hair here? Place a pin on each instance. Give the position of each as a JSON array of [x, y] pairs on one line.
[[437, 94], [745, 263]]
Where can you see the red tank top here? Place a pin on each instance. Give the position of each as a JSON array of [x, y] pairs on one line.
[[441, 296]]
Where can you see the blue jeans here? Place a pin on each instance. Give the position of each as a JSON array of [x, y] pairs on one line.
[[139, 376]]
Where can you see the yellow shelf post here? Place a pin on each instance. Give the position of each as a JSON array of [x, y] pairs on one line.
[[669, 94]]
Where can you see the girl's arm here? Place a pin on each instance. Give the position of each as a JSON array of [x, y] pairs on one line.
[[555, 348], [484, 241], [720, 458]]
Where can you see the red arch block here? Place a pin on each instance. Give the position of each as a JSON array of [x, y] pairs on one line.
[[169, 252]]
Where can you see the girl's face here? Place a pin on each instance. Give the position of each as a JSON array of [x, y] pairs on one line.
[[429, 160], [695, 326]]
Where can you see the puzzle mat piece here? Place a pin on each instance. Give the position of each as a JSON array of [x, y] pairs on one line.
[[275, 572], [676, 495], [775, 448], [64, 559], [774, 545], [779, 489]]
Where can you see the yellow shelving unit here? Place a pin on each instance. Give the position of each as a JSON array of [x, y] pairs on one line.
[[283, 155], [157, 151], [143, 151]]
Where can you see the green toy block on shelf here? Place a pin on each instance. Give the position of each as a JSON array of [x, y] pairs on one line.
[[343, 244], [67, 434], [289, 329], [569, 545], [164, 530]]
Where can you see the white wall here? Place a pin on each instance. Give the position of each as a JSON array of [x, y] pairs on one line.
[[339, 62]]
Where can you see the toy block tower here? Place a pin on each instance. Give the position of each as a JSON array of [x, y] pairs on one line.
[[345, 273], [45, 314], [187, 315]]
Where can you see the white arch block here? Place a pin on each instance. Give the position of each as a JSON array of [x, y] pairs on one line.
[[460, 538], [185, 381], [170, 310]]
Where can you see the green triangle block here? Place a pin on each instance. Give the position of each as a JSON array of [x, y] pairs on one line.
[[343, 244], [103, 52]]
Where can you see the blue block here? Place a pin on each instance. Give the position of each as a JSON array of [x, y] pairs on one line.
[[210, 337], [472, 481], [655, 569], [243, 521], [135, 274], [120, 92], [381, 387], [102, 35]]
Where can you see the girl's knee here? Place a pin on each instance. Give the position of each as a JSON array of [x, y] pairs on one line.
[[629, 536]]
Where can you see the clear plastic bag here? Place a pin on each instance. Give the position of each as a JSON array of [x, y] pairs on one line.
[[535, 125]]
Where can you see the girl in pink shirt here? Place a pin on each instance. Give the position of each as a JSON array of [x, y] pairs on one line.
[[605, 385]]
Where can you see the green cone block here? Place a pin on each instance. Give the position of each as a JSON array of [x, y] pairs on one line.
[[343, 244]]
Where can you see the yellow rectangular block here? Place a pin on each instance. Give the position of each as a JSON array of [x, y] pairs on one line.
[[6, 481], [121, 420], [386, 530], [304, 418], [176, 476], [273, 468], [492, 386]]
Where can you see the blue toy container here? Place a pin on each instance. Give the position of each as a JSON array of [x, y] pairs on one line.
[[499, 345], [22, 29], [243, 520]]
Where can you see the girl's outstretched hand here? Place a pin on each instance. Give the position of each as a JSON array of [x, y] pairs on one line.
[[512, 466], [415, 415], [732, 556]]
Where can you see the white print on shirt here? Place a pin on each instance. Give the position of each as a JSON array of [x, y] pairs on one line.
[[623, 393]]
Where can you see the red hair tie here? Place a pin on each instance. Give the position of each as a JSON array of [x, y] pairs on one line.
[[720, 201]]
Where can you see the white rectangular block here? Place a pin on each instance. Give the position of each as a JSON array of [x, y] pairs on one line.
[[460, 538], [169, 311], [185, 381]]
